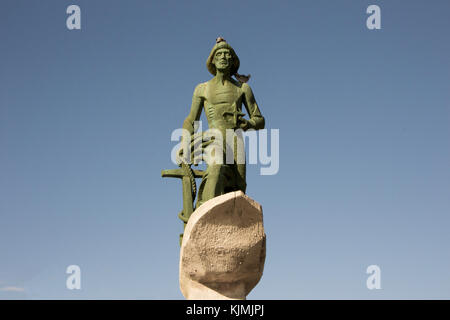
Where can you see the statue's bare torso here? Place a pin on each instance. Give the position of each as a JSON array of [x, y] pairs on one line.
[[220, 102]]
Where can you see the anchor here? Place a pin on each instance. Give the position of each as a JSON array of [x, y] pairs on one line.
[[189, 186]]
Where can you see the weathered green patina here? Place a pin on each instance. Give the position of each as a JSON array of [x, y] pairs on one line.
[[222, 98]]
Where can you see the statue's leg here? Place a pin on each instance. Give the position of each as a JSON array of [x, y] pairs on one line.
[[212, 185], [241, 183], [239, 160]]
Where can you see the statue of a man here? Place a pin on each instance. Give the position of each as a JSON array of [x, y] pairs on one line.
[[222, 98]]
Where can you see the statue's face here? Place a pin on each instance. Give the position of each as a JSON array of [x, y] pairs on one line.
[[223, 59]]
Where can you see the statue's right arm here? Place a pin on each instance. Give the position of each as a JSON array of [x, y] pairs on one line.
[[196, 109]]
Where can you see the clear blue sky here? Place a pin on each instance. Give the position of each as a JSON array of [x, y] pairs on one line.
[[86, 118]]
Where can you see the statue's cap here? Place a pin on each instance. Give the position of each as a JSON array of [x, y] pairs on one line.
[[221, 44]]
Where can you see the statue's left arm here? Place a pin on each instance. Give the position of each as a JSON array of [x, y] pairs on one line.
[[256, 120]]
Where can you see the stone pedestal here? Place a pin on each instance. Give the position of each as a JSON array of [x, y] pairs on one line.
[[223, 250]]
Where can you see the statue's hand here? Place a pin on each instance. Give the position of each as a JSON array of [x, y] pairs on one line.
[[194, 150], [180, 156], [243, 124]]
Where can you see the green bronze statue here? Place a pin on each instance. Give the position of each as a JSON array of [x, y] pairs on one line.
[[221, 98]]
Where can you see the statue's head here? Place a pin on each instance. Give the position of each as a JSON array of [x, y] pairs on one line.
[[222, 57]]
